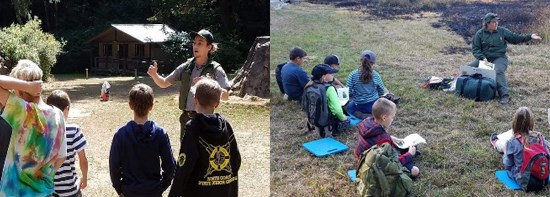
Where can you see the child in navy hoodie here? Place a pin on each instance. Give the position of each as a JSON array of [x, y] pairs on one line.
[[209, 158], [137, 146]]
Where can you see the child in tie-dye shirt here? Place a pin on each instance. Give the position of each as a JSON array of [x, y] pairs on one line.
[[37, 145]]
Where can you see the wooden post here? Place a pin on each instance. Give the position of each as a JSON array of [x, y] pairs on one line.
[[86, 73], [135, 74]]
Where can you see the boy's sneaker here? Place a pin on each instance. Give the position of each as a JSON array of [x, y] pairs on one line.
[[418, 153], [321, 132], [505, 99], [494, 138]]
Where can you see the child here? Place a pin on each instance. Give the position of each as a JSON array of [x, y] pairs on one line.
[[37, 145], [66, 181], [209, 159], [365, 86], [522, 126], [372, 131], [136, 149], [323, 74], [334, 62]]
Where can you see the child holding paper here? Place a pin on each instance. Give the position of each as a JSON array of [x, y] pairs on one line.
[[372, 131]]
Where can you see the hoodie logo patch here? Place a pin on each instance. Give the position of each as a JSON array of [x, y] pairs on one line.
[[219, 156], [181, 159]]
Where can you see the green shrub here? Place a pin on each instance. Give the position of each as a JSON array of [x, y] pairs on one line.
[[28, 41], [179, 48], [232, 52]]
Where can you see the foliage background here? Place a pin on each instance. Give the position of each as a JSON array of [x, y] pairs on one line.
[[234, 23]]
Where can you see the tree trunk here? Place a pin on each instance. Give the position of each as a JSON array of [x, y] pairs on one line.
[[47, 16], [253, 78]]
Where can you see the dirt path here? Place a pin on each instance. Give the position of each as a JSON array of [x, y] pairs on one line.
[[100, 120]]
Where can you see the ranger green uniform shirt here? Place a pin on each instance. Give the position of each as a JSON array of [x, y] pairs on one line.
[[186, 72], [492, 45]]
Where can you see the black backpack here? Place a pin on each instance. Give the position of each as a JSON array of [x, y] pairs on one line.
[[279, 77], [314, 104]]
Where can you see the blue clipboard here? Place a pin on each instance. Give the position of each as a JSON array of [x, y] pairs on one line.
[[352, 174], [502, 176], [354, 120], [324, 147]]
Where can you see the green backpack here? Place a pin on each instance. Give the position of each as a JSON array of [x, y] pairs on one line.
[[381, 174]]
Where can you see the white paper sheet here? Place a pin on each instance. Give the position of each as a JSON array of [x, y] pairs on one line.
[[411, 140], [343, 95]]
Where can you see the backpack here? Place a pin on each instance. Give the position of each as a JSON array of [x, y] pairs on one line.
[[534, 167], [314, 104], [476, 87], [279, 77], [436, 83], [380, 173]]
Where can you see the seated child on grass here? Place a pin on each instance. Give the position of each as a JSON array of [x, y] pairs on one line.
[[209, 159], [323, 75], [66, 181], [523, 136], [499, 141], [37, 145], [372, 131]]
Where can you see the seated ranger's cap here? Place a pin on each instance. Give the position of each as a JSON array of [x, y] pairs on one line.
[[205, 34], [490, 17], [322, 69], [369, 55], [332, 59]]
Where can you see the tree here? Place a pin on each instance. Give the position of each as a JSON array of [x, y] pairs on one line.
[[28, 41], [253, 77], [22, 11], [178, 47]]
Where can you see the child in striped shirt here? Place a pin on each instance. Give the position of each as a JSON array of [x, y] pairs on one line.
[[365, 86], [66, 181]]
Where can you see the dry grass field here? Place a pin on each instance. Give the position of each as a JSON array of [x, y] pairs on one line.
[[100, 120], [458, 159]]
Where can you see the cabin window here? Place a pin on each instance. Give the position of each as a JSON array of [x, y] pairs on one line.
[[123, 50], [140, 50], [107, 50]]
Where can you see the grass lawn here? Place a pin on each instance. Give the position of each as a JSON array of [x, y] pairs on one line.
[[100, 120], [458, 159]]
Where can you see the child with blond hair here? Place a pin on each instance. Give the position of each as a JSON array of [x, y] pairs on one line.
[[373, 131], [37, 146]]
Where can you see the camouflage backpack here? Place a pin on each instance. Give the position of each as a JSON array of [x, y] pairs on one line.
[[381, 174]]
